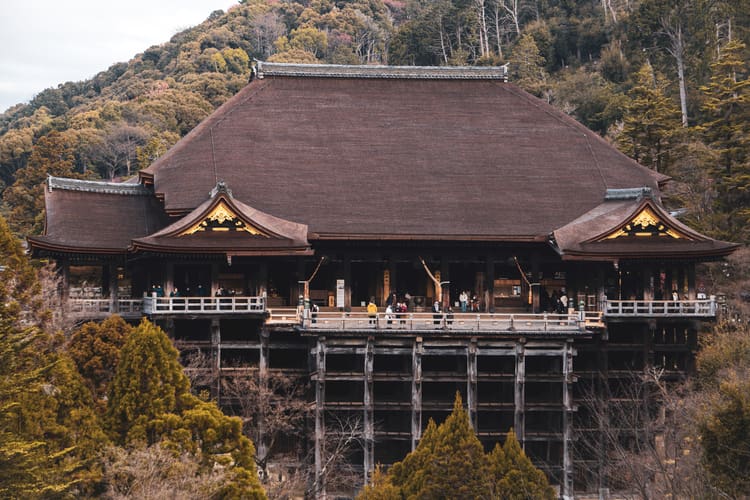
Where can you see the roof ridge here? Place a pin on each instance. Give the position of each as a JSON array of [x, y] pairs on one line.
[[382, 71], [90, 186]]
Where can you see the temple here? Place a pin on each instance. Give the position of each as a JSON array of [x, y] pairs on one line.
[[513, 256]]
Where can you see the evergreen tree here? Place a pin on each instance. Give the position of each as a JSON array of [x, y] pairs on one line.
[[527, 66], [49, 437], [95, 349], [448, 463], [727, 130], [515, 477], [651, 121], [150, 402]]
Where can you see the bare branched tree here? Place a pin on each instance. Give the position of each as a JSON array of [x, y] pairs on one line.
[[643, 437]]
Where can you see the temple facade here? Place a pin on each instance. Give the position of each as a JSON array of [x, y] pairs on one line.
[[391, 236]]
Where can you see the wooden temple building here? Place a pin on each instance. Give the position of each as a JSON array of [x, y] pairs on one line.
[[264, 233]]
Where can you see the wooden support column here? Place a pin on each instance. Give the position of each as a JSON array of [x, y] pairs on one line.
[[319, 489], [263, 279], [112, 285], [568, 408], [445, 275], [216, 347], [168, 278], [369, 411], [691, 280], [214, 279], [65, 283], [347, 283], [490, 287], [471, 389], [520, 392], [263, 358], [416, 392]]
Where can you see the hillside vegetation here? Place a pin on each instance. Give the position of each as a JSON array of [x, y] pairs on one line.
[[665, 81]]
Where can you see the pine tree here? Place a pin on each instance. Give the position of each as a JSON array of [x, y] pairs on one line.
[[150, 402], [651, 121], [727, 130]]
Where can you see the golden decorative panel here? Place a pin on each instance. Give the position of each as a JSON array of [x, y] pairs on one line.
[[645, 225], [223, 219]]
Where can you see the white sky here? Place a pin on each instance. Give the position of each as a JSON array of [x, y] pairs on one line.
[[47, 42]]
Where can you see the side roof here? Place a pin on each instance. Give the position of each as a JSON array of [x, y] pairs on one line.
[[96, 217], [402, 153]]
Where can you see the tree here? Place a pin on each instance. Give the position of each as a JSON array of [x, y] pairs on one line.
[[527, 66], [513, 475], [651, 121], [150, 402], [95, 349], [727, 131], [49, 437], [449, 462], [51, 155]]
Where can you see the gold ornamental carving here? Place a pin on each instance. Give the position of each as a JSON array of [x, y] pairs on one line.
[[645, 224], [223, 219]]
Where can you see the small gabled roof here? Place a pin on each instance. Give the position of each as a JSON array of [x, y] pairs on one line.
[[224, 225], [95, 217], [631, 224]]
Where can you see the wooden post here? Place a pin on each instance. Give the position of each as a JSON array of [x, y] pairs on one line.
[[369, 414], [262, 447], [471, 382], [490, 277], [416, 392], [520, 393], [567, 367], [319, 491], [347, 283], [112, 285], [216, 347]]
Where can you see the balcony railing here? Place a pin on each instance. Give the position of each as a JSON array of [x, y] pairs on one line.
[[660, 308], [103, 307], [203, 305], [457, 322]]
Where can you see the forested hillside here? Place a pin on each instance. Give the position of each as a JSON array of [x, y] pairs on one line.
[[666, 81]]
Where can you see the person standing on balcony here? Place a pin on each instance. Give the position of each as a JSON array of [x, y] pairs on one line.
[[372, 311], [464, 300], [436, 310]]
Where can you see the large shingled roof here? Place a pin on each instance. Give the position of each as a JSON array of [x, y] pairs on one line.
[[368, 153]]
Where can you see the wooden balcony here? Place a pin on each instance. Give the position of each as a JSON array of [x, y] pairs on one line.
[[705, 308], [550, 324], [101, 308], [190, 306]]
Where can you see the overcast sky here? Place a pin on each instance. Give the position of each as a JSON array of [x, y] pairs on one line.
[[47, 42]]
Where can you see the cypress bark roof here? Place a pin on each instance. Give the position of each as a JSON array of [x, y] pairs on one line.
[[393, 157]]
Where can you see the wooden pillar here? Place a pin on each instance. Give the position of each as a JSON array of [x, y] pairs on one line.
[[691, 280], [319, 489], [263, 359], [416, 392], [112, 285], [263, 279], [445, 300], [567, 367], [168, 278], [216, 347], [65, 284], [520, 392], [471, 389], [347, 283], [369, 413], [214, 279], [490, 277]]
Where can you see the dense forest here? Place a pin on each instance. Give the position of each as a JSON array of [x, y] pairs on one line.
[[665, 81]]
